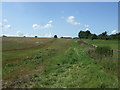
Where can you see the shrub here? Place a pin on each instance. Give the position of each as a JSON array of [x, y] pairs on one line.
[[55, 36], [4, 36], [104, 51]]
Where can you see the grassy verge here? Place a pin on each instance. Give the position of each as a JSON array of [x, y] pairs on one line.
[[109, 63]]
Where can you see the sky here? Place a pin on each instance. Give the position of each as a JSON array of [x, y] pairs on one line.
[[46, 19]]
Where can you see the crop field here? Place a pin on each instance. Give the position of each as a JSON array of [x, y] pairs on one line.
[[56, 63]]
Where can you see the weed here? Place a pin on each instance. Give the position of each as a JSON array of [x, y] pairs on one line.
[[104, 51]]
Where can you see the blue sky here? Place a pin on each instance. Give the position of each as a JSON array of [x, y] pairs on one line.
[[45, 19]]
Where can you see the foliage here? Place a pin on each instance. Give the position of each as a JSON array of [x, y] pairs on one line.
[[104, 51], [94, 36], [55, 36], [4, 36], [115, 36], [84, 34], [104, 36], [109, 63]]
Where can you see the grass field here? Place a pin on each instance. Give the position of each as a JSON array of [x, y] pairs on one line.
[[55, 63], [112, 43]]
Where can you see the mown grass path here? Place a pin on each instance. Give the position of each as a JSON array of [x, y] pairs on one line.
[[20, 65]]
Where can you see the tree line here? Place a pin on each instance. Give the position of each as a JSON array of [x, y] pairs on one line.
[[104, 36]]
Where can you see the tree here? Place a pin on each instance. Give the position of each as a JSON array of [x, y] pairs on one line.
[[93, 36], [55, 36], [88, 34], [4, 36], [84, 34], [35, 36], [103, 36], [115, 36]]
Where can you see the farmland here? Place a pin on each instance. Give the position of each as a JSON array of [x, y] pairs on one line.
[[112, 43], [56, 63]]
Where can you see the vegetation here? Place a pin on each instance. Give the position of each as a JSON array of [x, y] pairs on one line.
[[56, 63], [35, 36], [104, 51], [4, 36], [88, 35], [113, 44], [55, 36]]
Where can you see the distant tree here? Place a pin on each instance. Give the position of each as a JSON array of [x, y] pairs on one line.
[[103, 36], [24, 36], [84, 34], [55, 36], [93, 36], [88, 34], [115, 36], [75, 38], [4, 36], [35, 36]]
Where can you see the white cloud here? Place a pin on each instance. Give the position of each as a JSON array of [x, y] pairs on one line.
[[5, 20], [50, 21], [36, 26], [71, 20], [21, 34], [6, 26], [86, 25], [115, 31], [14, 35], [87, 29], [48, 25]]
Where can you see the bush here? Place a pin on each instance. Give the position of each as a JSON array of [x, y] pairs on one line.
[[55, 36], [104, 51]]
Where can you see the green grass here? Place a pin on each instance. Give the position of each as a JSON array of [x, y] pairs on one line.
[[62, 63], [111, 43], [76, 70]]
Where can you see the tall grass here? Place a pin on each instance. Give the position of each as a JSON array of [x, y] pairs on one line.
[[104, 56]]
